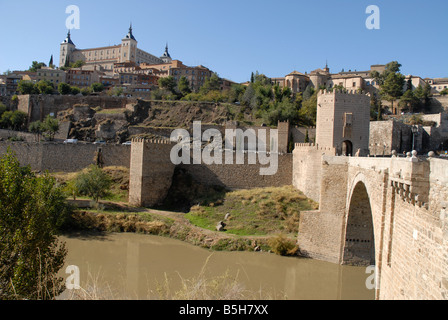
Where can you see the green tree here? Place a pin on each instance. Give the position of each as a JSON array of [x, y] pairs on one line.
[[444, 92], [36, 129], [376, 111], [86, 91], [236, 93], [5, 120], [3, 109], [212, 83], [248, 95], [307, 136], [94, 183], [18, 120], [184, 86], [168, 83], [391, 82], [26, 87], [36, 66], [45, 87], [308, 112], [75, 91], [97, 87], [77, 64], [308, 93], [50, 127], [64, 88], [32, 211], [410, 102]]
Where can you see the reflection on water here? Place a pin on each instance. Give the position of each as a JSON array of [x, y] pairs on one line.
[[132, 265]]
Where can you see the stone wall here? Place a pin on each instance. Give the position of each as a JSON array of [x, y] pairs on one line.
[[6, 134], [407, 199], [307, 173], [242, 176], [439, 104], [320, 232], [416, 264], [386, 136], [299, 134], [58, 157], [39, 106], [152, 172]]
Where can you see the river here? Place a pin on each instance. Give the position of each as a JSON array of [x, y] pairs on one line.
[[134, 266]]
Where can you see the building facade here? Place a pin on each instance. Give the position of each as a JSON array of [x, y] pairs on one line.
[[106, 57], [55, 76]]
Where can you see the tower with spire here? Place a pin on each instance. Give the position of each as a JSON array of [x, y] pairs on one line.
[[128, 47], [66, 50], [166, 55]]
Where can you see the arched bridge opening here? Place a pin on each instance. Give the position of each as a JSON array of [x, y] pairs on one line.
[[359, 247]]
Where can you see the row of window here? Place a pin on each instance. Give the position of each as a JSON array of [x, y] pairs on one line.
[[78, 77], [192, 78], [49, 74], [193, 72]]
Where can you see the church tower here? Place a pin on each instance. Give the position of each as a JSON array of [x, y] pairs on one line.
[[128, 47], [166, 56], [67, 48]]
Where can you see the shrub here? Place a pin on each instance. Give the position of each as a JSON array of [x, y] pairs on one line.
[[32, 211], [282, 246]]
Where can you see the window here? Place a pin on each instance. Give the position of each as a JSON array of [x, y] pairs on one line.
[[354, 84], [348, 119]]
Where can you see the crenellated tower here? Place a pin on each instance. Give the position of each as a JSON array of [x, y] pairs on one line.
[[343, 122]]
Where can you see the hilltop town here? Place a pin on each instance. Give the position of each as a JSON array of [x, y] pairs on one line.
[[99, 94], [366, 149]]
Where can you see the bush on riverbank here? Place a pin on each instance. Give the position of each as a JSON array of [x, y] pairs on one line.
[[256, 212], [118, 222]]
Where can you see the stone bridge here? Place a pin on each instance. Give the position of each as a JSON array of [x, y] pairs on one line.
[[387, 212]]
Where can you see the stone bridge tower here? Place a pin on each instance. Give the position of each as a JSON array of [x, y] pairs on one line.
[[343, 122]]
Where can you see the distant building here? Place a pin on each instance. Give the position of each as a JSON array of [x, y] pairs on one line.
[[2, 85], [12, 82], [106, 57], [195, 75], [54, 76], [82, 78], [437, 84]]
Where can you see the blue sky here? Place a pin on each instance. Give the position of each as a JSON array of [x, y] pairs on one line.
[[234, 38]]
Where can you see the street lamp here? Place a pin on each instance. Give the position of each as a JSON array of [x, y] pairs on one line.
[[414, 130]]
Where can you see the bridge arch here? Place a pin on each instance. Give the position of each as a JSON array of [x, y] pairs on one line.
[[359, 230]]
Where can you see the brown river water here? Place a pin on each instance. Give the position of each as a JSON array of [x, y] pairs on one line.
[[132, 266]]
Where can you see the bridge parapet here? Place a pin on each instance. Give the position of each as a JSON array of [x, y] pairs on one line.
[[409, 178]]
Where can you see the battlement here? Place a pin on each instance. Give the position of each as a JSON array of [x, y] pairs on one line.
[[314, 147], [151, 141], [343, 92]]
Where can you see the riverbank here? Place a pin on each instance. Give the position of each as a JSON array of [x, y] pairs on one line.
[[120, 218]]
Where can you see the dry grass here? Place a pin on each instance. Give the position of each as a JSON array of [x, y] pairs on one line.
[[120, 222], [201, 287], [119, 190], [264, 211]]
